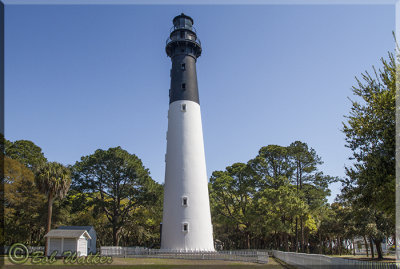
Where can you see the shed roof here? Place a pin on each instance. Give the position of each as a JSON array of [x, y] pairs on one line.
[[87, 228], [67, 233]]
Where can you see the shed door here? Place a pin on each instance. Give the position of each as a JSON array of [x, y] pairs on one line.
[[82, 246], [69, 244], [55, 245]]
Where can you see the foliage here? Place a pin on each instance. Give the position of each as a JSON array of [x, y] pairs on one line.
[[370, 134], [26, 152], [24, 206], [53, 179], [233, 191], [257, 204], [117, 182]]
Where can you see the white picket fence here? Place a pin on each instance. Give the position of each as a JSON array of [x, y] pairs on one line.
[[313, 261], [256, 256], [31, 249]]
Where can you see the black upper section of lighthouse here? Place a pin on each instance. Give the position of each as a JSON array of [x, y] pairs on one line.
[[184, 48]]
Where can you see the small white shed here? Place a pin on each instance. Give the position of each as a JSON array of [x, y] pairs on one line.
[[91, 231], [67, 240]]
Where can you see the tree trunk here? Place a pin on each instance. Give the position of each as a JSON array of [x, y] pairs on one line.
[[297, 236], [293, 242], [117, 242], [302, 234], [307, 244], [366, 244], [372, 248], [286, 242], [378, 244], [354, 246], [320, 244], [49, 214], [115, 236]]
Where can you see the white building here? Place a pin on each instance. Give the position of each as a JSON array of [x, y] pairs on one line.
[[67, 240], [91, 231]]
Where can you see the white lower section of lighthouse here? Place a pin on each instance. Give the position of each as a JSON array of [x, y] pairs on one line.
[[186, 217]]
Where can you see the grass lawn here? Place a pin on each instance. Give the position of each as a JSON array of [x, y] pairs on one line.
[[161, 263]]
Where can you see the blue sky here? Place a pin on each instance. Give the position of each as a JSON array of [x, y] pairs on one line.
[[79, 78]]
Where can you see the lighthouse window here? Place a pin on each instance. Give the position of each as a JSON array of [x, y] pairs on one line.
[[184, 86], [183, 67], [185, 227], [182, 34], [183, 107], [184, 201]]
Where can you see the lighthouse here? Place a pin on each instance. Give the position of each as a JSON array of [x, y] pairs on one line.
[[186, 222]]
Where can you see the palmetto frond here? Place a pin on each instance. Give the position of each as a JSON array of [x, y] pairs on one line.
[[53, 178]]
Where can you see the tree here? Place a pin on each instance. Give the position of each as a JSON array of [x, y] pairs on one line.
[[305, 163], [53, 179], [296, 164], [273, 166], [370, 134], [314, 196], [264, 191], [274, 169], [23, 204], [276, 208], [26, 152], [117, 182], [141, 228], [231, 193]]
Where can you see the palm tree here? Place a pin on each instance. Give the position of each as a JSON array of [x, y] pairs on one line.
[[53, 179]]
